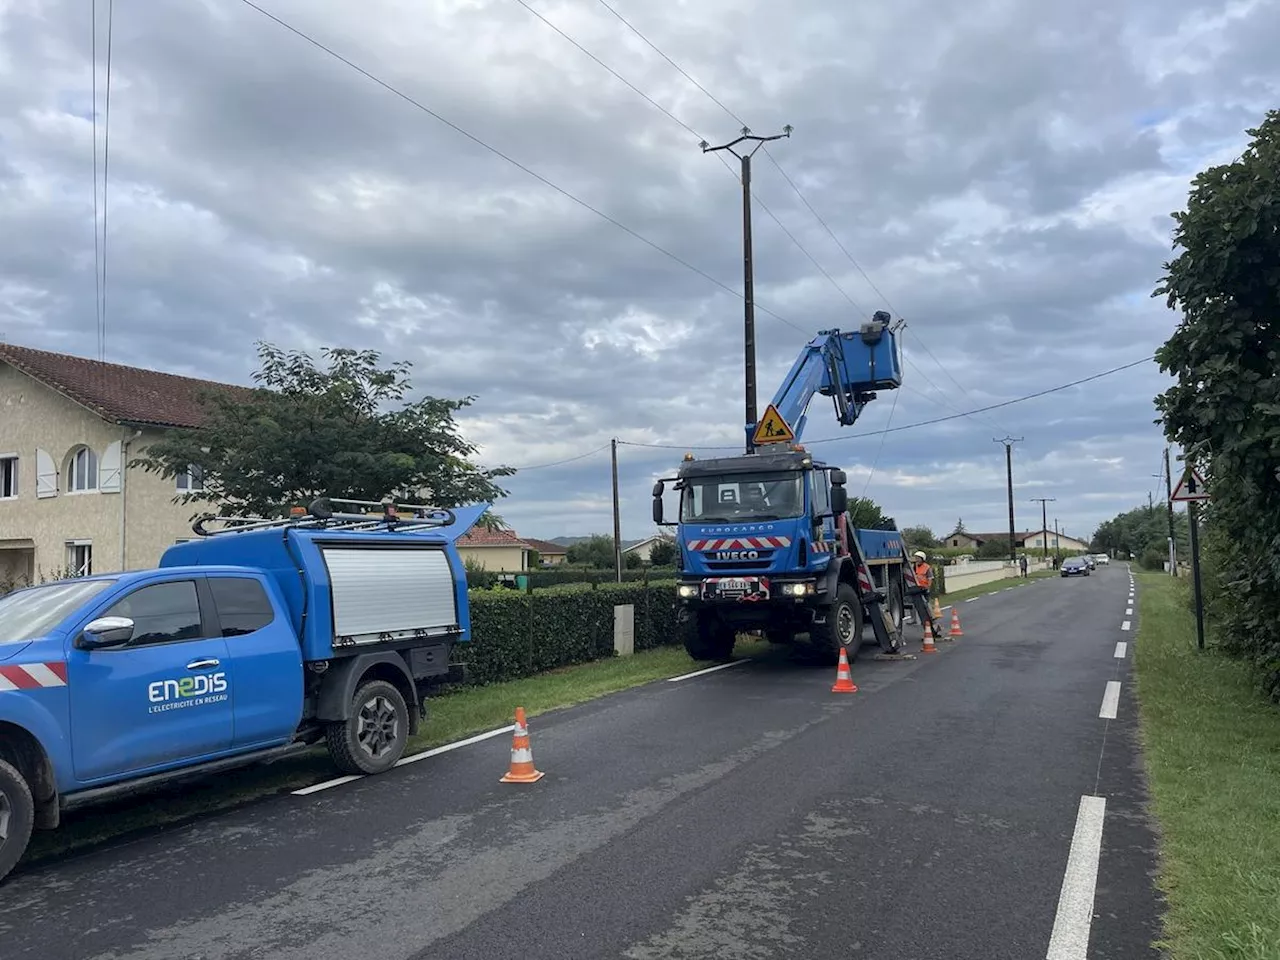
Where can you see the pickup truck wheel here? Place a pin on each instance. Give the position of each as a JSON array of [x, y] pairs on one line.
[[373, 738], [843, 628], [17, 817]]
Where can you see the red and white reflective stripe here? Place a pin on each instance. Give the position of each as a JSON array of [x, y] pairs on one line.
[[822, 546], [864, 579], [740, 543], [29, 676]]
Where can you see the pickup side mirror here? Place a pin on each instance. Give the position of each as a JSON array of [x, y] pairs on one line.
[[106, 632], [839, 500]]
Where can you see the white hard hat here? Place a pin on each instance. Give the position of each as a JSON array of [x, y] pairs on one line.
[[919, 555]]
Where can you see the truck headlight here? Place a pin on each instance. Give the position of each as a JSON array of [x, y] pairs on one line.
[[685, 590], [797, 589]]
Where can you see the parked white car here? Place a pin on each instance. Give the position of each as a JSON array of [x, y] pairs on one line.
[[1101, 558]]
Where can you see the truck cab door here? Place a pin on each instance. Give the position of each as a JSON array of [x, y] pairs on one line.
[[163, 697], [265, 658], [823, 527]]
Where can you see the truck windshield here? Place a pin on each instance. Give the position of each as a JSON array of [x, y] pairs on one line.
[[32, 613], [742, 498]]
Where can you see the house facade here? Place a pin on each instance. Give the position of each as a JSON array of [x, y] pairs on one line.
[[499, 551], [549, 554], [1027, 540], [68, 502]]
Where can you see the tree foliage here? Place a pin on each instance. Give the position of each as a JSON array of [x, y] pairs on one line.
[[595, 551], [866, 514], [920, 538], [1225, 402], [1142, 529], [344, 431], [996, 548], [663, 553]]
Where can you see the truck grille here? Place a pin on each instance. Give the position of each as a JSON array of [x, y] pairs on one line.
[[761, 561]]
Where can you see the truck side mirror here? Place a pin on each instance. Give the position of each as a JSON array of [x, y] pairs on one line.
[[839, 478], [839, 500], [106, 632], [657, 507], [658, 488]]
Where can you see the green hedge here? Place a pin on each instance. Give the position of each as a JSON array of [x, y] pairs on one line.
[[556, 576], [518, 635]]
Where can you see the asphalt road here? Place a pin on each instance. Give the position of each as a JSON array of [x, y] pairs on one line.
[[747, 813]]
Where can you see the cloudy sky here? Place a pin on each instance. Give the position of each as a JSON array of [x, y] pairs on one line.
[[1000, 174]]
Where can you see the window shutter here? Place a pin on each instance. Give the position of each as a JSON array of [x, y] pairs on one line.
[[46, 475], [109, 469]]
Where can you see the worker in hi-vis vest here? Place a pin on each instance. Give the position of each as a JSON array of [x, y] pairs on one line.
[[922, 573]]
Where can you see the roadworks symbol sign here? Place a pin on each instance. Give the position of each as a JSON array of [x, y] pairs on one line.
[[1190, 488], [772, 428]]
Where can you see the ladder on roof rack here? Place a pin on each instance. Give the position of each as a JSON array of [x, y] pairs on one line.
[[320, 515]]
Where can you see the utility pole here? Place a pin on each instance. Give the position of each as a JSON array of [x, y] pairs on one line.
[[1173, 543], [1008, 469], [748, 275], [1057, 547], [1193, 523], [617, 513], [1044, 521]]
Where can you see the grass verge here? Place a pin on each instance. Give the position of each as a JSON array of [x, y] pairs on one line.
[[453, 716], [1212, 747]]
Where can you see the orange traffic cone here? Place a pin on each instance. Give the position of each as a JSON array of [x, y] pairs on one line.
[[522, 768], [844, 679], [955, 624], [928, 646], [937, 609]]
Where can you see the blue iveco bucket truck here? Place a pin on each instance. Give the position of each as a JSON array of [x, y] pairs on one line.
[[765, 539]]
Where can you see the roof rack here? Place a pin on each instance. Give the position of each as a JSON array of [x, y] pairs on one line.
[[320, 515]]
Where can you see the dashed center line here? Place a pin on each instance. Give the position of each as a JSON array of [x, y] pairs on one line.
[[1110, 701], [1121, 648]]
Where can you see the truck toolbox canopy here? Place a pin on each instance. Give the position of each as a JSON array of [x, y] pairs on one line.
[[349, 589]]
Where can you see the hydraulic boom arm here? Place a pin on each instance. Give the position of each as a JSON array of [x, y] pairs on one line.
[[848, 367]]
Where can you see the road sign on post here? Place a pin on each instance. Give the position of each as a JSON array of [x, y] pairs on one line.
[[1193, 491], [1191, 488]]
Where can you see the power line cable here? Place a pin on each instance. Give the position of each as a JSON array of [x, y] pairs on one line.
[[919, 423], [803, 199], [511, 160]]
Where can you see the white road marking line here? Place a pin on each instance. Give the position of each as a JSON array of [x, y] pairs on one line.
[[1110, 701], [1125, 625], [699, 673], [412, 758], [1128, 611], [1121, 647], [971, 599], [1071, 927]]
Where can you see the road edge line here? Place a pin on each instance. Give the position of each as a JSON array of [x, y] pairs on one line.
[[700, 673], [1110, 701], [1074, 919]]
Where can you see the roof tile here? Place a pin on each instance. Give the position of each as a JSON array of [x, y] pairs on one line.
[[116, 392], [479, 537]]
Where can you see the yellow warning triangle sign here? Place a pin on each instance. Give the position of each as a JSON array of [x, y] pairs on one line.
[[772, 428]]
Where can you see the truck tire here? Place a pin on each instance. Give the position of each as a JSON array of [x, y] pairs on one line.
[[707, 638], [843, 628], [17, 817], [373, 738]]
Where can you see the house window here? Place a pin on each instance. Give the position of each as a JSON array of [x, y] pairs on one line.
[[8, 477], [192, 480], [83, 475], [80, 558]]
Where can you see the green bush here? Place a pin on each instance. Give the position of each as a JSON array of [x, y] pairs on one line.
[[517, 634], [555, 576], [1153, 558]]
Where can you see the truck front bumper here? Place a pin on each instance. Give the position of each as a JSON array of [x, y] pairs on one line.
[[747, 592]]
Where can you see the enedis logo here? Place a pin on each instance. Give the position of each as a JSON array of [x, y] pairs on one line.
[[186, 692]]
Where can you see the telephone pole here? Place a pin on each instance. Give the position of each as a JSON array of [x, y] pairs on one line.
[[617, 513], [1044, 521], [1008, 469], [748, 276]]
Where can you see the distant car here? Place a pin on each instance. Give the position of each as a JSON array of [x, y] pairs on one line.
[[1102, 558], [1074, 567], [1090, 562]]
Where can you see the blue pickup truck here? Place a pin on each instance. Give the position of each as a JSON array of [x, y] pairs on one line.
[[257, 639]]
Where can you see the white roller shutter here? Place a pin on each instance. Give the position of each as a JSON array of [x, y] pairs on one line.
[[109, 469], [389, 594], [46, 475]]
